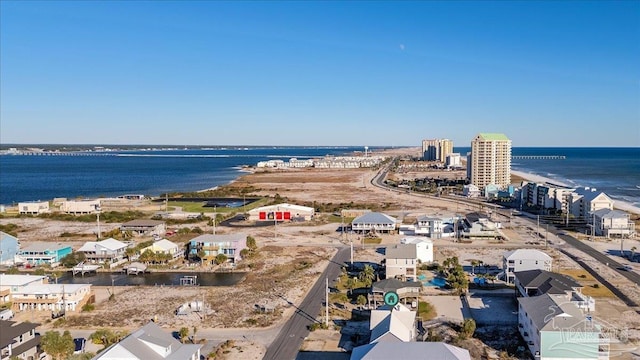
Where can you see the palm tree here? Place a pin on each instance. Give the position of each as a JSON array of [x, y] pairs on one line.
[[474, 263], [633, 252], [183, 333], [367, 275]]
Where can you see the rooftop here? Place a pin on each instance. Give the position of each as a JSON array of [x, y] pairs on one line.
[[374, 218], [546, 282]]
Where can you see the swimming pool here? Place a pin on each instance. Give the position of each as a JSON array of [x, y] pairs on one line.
[[435, 282]]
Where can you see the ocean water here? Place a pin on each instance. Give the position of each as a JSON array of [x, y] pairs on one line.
[[616, 171], [30, 178]]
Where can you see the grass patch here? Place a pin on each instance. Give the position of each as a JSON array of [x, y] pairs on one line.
[[372, 240], [599, 291], [591, 286], [426, 311], [579, 275]]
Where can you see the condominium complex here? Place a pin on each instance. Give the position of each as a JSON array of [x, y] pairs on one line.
[[436, 149], [489, 162]]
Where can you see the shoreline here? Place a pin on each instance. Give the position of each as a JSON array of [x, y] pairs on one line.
[[618, 204]]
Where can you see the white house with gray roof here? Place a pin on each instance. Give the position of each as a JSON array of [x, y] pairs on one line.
[[424, 248], [401, 262], [554, 328], [393, 325], [374, 222], [584, 201], [522, 260], [150, 342], [409, 350], [430, 226], [609, 223], [539, 282], [108, 250]]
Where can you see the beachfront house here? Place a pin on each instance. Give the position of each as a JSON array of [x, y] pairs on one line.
[[210, 246], [282, 212], [374, 222], [409, 350], [43, 253], [150, 342], [9, 247], [556, 329], [585, 201], [110, 250], [18, 340], [522, 260], [164, 246], [78, 207], [144, 227], [401, 262], [610, 223], [33, 207]]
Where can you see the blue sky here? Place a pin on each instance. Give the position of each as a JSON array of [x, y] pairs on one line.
[[319, 73]]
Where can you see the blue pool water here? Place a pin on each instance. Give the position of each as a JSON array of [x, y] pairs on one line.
[[439, 282]]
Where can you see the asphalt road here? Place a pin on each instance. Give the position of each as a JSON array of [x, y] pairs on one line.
[[295, 330]]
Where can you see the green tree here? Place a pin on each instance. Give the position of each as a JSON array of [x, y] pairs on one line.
[[58, 346], [474, 263], [73, 259], [183, 333], [367, 275], [251, 243], [221, 258], [361, 300], [468, 328], [201, 254], [633, 252]]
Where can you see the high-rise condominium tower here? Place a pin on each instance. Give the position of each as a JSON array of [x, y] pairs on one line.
[[436, 149], [490, 160]]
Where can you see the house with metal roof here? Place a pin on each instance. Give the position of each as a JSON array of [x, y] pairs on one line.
[[584, 201], [41, 253], [554, 328], [374, 222], [18, 340], [109, 250], [429, 226], [424, 248], [409, 350], [150, 342], [164, 246], [539, 282], [397, 324], [610, 223], [522, 260], [401, 262], [144, 227]]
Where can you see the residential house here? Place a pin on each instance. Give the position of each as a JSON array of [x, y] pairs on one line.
[[397, 324], [478, 227], [110, 250], [51, 297], [523, 260], [429, 226], [144, 227], [9, 247], [609, 223], [539, 282], [424, 248], [282, 212], [33, 207], [212, 245], [33, 292], [471, 191], [164, 246], [401, 262], [409, 350], [585, 201], [18, 340], [150, 342], [408, 291], [374, 222], [43, 253], [80, 206], [554, 328]]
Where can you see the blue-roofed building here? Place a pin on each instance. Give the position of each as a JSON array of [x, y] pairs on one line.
[[9, 246], [41, 253], [374, 222]]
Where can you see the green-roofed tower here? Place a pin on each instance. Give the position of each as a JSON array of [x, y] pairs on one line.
[[489, 162]]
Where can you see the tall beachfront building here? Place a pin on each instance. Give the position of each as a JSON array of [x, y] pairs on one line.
[[489, 162], [436, 149]]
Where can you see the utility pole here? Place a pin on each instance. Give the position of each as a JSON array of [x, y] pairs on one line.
[[546, 236], [99, 232], [538, 229], [326, 308], [215, 217], [352, 253]]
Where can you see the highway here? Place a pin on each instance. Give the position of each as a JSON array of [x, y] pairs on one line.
[[295, 330]]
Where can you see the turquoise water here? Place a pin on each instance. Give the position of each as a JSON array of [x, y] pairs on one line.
[[435, 282]]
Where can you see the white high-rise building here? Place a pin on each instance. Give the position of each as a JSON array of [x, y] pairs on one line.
[[436, 149], [490, 160]]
